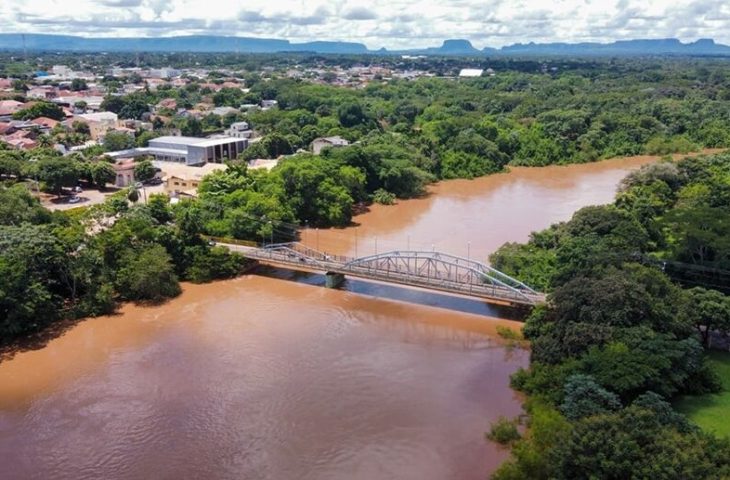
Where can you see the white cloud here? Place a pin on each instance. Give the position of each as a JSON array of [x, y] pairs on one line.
[[389, 23]]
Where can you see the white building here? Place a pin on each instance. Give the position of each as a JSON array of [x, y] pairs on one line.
[[223, 111], [471, 72], [239, 130], [188, 150], [319, 143]]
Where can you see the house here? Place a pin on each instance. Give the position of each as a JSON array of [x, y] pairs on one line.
[[124, 169], [212, 86], [6, 128], [163, 73], [9, 107], [328, 142], [262, 163], [99, 123], [42, 93], [21, 143], [239, 130], [183, 184], [167, 103], [45, 122], [223, 111]]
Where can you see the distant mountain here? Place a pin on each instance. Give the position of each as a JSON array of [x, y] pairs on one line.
[[452, 47], [667, 46], [209, 43], [196, 43]]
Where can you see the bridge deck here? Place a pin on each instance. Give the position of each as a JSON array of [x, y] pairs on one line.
[[392, 268]]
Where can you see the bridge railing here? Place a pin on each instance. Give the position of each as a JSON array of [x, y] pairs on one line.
[[425, 269]]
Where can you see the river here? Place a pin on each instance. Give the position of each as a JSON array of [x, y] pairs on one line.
[[262, 377]]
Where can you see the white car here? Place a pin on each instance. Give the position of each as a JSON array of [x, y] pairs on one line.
[[74, 199]]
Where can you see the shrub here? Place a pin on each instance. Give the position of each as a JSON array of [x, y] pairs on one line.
[[383, 197], [504, 431]]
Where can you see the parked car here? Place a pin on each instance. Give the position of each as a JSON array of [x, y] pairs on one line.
[[77, 189], [74, 199], [154, 181]]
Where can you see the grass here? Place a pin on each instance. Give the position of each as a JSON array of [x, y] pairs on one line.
[[711, 412]]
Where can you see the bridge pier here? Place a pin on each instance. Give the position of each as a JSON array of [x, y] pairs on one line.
[[334, 280]]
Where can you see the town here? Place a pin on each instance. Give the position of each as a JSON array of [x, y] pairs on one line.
[[199, 118]]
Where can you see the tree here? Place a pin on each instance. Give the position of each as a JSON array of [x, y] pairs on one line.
[[133, 194], [147, 273], [229, 97], [532, 455], [40, 109], [700, 235], [192, 127], [31, 295], [58, 173], [78, 84], [18, 206], [584, 398], [19, 85], [102, 173], [81, 127], [708, 311], [134, 108], [641, 360], [144, 171], [158, 205], [351, 114], [116, 141], [639, 443]]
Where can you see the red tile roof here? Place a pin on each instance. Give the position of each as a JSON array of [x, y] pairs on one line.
[[45, 122]]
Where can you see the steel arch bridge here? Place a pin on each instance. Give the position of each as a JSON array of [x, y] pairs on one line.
[[429, 270]]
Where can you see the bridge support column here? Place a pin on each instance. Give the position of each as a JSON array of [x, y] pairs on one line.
[[334, 280]]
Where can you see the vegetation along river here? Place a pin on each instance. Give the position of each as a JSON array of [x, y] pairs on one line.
[[262, 377]]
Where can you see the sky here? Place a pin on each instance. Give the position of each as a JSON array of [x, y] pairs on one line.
[[377, 23]]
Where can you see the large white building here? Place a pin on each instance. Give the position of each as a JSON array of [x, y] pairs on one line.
[[471, 72], [188, 150]]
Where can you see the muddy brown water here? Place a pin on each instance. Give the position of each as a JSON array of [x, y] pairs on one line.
[[265, 378]]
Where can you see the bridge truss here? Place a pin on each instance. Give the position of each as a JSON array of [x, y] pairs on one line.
[[429, 270]]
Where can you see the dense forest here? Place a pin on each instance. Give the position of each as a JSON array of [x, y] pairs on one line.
[[622, 335]]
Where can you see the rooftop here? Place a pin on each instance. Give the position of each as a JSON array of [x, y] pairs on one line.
[[200, 142]]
